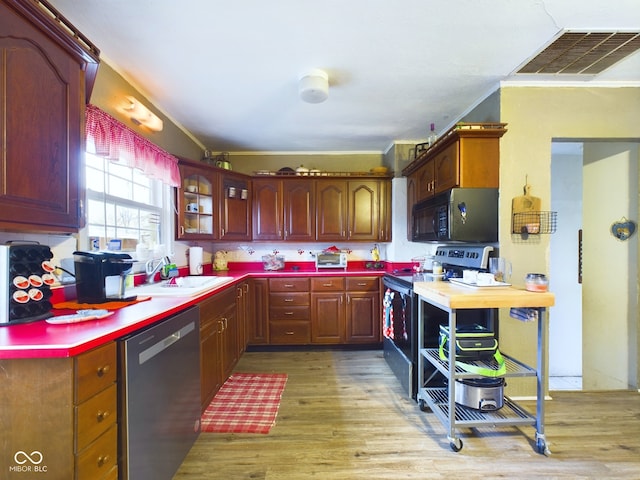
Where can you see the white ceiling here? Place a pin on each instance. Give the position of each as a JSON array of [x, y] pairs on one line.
[[228, 71]]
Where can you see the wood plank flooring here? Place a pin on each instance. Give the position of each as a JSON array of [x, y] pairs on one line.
[[344, 416]]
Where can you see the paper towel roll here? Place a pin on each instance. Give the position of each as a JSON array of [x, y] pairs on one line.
[[195, 261]]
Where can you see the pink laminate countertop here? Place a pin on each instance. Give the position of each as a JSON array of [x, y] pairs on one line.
[[41, 339]]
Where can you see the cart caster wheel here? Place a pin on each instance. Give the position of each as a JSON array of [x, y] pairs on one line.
[[422, 405], [456, 445], [543, 449]]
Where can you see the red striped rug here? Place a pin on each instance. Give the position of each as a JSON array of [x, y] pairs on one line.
[[246, 403]]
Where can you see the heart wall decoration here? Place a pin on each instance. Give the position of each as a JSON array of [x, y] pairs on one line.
[[623, 229]]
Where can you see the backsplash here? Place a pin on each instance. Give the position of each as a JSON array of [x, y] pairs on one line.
[[253, 252]]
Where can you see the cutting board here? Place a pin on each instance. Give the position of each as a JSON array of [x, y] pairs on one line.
[[525, 203], [526, 212]]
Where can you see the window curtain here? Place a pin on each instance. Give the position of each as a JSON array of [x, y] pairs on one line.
[[114, 140]]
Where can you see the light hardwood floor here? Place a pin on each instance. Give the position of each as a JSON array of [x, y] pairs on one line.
[[344, 416]]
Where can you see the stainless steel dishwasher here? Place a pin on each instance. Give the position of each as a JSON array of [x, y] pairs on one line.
[[159, 414]]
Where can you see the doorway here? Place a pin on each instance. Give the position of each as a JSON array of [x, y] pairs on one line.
[[593, 329]]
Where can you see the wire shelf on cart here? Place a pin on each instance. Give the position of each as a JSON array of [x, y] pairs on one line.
[[514, 367], [510, 413]]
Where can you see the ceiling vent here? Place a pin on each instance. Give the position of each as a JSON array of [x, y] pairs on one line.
[[582, 53]]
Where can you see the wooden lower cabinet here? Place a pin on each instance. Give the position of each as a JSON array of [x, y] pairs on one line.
[[243, 305], [63, 412], [219, 344], [257, 321], [289, 312], [327, 310], [363, 320], [331, 310]]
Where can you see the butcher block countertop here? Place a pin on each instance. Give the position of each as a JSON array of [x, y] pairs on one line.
[[450, 296]]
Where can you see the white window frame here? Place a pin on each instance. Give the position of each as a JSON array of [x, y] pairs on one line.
[[164, 210]]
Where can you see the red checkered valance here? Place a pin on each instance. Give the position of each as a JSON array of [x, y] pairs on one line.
[[114, 140]]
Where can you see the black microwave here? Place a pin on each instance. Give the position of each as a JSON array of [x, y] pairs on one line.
[[457, 215]]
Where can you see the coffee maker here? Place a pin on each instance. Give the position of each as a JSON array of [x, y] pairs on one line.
[[100, 276]]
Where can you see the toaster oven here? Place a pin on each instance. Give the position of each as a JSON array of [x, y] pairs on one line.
[[331, 260]]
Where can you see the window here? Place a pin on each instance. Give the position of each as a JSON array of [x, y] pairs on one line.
[[124, 204]]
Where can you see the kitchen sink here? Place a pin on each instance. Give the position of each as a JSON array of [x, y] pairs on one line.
[[179, 287]]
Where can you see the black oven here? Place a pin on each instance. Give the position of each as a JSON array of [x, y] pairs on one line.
[[400, 314]]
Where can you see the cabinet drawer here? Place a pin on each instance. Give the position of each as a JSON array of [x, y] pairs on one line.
[[363, 284], [97, 460], [288, 299], [292, 332], [327, 284], [95, 371], [289, 313], [95, 416], [288, 284]]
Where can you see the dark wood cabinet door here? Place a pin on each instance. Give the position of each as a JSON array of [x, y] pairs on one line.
[[363, 317], [196, 203], [331, 210], [235, 208], [364, 210], [42, 124], [327, 318], [446, 169], [267, 210], [425, 181], [210, 373], [385, 212], [229, 325], [299, 210], [258, 312]]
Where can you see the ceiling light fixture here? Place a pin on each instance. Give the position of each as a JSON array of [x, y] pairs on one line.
[[314, 86], [141, 115]]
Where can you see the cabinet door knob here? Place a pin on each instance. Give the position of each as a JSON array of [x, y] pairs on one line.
[[103, 460], [102, 371], [100, 416]]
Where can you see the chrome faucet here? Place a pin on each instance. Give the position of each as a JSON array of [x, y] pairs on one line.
[[152, 269]]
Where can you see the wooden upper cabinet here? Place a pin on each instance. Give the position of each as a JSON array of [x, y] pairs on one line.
[[196, 203], [42, 119], [299, 210], [353, 210], [212, 203], [466, 156], [331, 210], [267, 210], [364, 210], [324, 210], [235, 207]]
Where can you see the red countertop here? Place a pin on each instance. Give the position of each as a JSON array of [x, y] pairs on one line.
[[40, 339]]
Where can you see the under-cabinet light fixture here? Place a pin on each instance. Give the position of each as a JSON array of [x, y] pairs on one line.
[[141, 115]]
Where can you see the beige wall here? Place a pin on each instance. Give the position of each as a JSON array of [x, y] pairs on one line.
[[332, 162], [535, 116]]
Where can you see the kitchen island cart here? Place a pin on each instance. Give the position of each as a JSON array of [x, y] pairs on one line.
[[441, 400]]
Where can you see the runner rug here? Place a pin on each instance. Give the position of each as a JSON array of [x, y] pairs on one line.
[[246, 403]]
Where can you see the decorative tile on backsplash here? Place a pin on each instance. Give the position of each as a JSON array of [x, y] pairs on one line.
[[299, 253]]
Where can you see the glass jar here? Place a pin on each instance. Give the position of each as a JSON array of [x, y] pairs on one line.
[[536, 282]]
